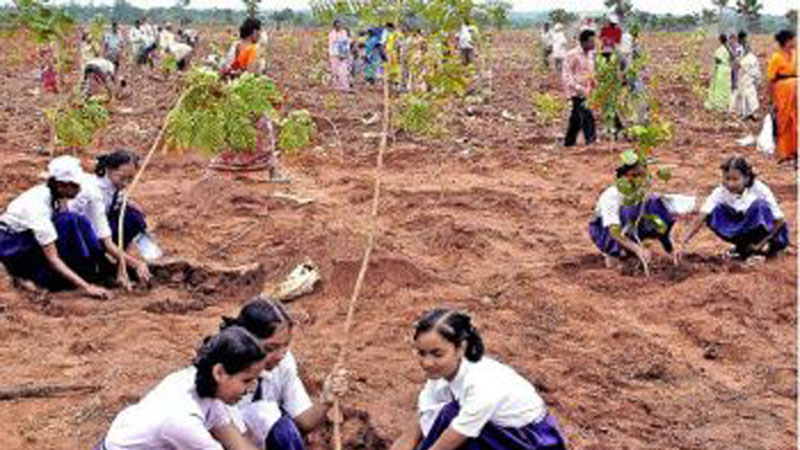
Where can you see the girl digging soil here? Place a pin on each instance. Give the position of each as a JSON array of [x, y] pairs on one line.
[[43, 244], [188, 408], [744, 212], [100, 200], [471, 402], [276, 413], [612, 229]]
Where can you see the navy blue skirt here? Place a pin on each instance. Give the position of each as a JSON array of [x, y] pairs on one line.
[[543, 435], [284, 435], [135, 223], [77, 246], [601, 236], [748, 228]]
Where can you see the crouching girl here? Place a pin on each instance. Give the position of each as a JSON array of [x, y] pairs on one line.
[[279, 411], [471, 402], [188, 409], [744, 212], [44, 244], [614, 228]]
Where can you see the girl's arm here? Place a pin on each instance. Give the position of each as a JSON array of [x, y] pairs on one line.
[[694, 228], [410, 438], [140, 266], [631, 246], [230, 438], [51, 254], [775, 230], [449, 440], [311, 418]]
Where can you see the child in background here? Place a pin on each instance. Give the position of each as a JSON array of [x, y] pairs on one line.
[[472, 402], [744, 212]]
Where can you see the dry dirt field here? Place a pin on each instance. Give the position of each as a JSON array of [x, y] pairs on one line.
[[491, 219]]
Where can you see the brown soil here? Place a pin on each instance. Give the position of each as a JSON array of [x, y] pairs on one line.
[[701, 356]]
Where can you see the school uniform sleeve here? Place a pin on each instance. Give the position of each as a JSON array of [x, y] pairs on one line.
[[189, 433], [295, 399], [610, 204], [713, 200], [477, 407], [763, 192], [96, 213]]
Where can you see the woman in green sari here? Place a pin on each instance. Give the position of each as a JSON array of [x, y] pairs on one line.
[[719, 93]]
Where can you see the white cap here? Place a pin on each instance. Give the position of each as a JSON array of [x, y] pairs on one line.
[[613, 18], [66, 169]]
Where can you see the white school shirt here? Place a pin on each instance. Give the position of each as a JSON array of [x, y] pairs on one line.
[[759, 191], [466, 36], [32, 210], [180, 50], [94, 201], [608, 206], [280, 389], [559, 44], [486, 391], [172, 416]]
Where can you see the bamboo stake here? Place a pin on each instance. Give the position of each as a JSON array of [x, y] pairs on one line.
[[120, 226], [348, 324]]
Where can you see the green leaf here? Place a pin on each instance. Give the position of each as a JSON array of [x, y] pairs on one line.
[[661, 226], [629, 157], [664, 173]]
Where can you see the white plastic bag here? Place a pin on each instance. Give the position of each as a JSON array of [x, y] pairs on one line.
[[300, 281], [765, 141]]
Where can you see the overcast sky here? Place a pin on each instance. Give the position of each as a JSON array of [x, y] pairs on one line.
[[655, 6]]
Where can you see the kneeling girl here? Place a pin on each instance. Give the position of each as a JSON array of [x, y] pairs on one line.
[[472, 402]]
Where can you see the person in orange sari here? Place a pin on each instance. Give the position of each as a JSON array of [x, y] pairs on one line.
[[782, 82], [242, 57]]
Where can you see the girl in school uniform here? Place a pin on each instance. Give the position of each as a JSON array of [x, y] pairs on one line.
[[277, 414], [44, 244], [472, 402], [189, 408], [100, 200], [743, 211], [611, 229]]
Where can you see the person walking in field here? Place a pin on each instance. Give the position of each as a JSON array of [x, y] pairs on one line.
[[471, 401], [719, 92], [243, 54], [559, 47], [546, 39], [745, 97], [339, 54], [782, 85], [578, 80], [466, 42], [743, 211], [112, 45]]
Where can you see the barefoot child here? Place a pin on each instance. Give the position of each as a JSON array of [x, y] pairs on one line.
[[43, 243], [279, 410], [189, 408], [612, 230], [471, 402], [744, 212]]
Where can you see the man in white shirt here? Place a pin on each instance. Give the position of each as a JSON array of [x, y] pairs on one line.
[[559, 42], [466, 42], [547, 44]]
